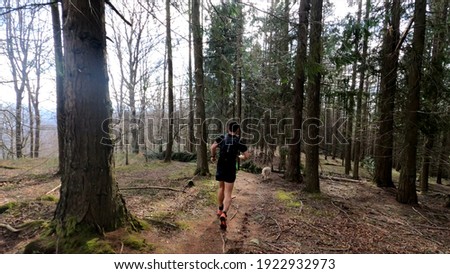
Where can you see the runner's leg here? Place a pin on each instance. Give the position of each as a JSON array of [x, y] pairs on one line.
[[228, 190]]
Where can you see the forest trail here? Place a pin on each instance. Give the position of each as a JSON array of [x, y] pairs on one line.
[[270, 216], [208, 238], [204, 235]]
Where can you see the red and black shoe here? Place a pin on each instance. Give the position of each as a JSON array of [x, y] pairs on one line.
[[219, 213], [223, 221]]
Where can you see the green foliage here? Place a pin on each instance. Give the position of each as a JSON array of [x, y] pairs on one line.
[[288, 198], [369, 164], [97, 246], [176, 156], [251, 167], [136, 242]]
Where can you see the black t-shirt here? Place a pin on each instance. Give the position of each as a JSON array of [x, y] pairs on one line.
[[229, 148]]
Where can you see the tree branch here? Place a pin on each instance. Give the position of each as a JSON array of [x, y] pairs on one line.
[[402, 39], [117, 12], [27, 6]]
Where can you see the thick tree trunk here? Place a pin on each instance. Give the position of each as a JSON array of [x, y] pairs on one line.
[[407, 184], [385, 138], [202, 158], [89, 194], [312, 139], [293, 172]]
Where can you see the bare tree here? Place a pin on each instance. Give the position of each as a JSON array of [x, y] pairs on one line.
[[19, 26], [170, 83], [132, 46]]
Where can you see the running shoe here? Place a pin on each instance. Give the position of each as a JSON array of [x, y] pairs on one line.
[[223, 221]]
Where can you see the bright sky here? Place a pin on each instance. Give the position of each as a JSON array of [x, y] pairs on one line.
[[48, 99]]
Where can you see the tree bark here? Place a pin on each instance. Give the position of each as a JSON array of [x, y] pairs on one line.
[[202, 158], [362, 79], [407, 184], [89, 195], [426, 161], [312, 139], [191, 133], [238, 70], [385, 139], [293, 171], [442, 158], [168, 155]]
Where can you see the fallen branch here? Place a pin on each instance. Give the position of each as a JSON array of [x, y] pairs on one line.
[[10, 228], [345, 212], [334, 248], [53, 189], [430, 222], [8, 167], [279, 228], [161, 223], [153, 187], [340, 179]]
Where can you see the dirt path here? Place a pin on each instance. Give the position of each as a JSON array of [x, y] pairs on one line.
[[204, 235], [207, 237]]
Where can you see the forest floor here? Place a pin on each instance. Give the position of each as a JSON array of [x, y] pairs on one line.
[[267, 216]]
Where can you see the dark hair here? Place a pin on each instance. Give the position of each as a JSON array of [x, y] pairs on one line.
[[233, 127]]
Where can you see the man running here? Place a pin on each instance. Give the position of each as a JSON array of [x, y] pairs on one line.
[[230, 147]]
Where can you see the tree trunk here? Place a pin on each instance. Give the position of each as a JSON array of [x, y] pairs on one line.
[[168, 155], [191, 136], [89, 194], [238, 70], [350, 118], [385, 139], [202, 158], [362, 79], [440, 14], [407, 184], [442, 158], [293, 172], [18, 70], [312, 139], [31, 121], [426, 161]]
